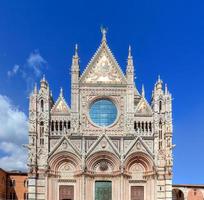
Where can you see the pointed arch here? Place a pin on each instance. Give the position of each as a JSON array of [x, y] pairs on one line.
[[139, 157]]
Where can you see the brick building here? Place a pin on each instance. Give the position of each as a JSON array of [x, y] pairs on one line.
[[3, 176], [13, 185]]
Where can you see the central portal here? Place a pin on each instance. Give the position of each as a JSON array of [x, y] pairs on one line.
[[137, 193], [66, 192], [103, 190]]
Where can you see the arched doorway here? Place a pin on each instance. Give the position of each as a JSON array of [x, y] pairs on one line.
[[137, 165], [177, 194]]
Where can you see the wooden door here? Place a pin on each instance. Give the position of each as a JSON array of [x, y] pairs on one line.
[[66, 192], [103, 190], [137, 193]]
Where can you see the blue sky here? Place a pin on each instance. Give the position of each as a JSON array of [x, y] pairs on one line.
[[38, 37]]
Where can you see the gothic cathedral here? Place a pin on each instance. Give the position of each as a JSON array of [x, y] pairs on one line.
[[111, 144]]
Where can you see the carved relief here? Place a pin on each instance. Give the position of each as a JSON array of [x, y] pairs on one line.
[[137, 171], [104, 71], [66, 170]]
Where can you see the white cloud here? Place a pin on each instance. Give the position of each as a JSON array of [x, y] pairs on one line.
[[30, 70], [13, 133], [35, 61], [15, 157], [13, 71]]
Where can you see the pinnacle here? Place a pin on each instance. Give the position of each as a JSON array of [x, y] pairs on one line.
[[104, 32], [61, 91]]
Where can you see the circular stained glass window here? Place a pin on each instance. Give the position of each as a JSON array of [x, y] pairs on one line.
[[103, 112]]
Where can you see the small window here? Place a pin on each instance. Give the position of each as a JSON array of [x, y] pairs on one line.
[[42, 105], [160, 106], [41, 133], [25, 196], [135, 125], [60, 125], [12, 183], [52, 126], [25, 183], [56, 125], [69, 125], [146, 126], [143, 126], [150, 126], [65, 125]]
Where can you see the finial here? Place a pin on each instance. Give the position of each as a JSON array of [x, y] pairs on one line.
[[61, 92], [143, 90], [129, 52], [43, 78], [159, 83], [35, 89], [103, 31], [76, 50], [166, 89], [130, 59], [159, 79]]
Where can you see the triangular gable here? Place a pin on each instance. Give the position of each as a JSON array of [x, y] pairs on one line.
[[143, 107], [103, 68], [65, 145], [60, 106], [103, 144], [138, 145]]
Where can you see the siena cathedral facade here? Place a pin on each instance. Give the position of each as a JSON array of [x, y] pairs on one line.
[[109, 144]]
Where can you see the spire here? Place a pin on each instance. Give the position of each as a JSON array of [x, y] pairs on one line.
[[143, 91], [35, 91], [43, 82], [76, 51], [104, 32], [130, 58], [166, 89], [159, 79], [130, 67], [159, 83], [43, 78], [75, 59], [129, 52], [61, 92]]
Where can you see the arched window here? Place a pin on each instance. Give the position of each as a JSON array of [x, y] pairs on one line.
[[139, 125], [135, 126], [52, 126], [146, 127], [60, 125], [42, 105], [41, 133], [25, 183], [150, 126], [160, 135], [13, 183], [25, 196], [160, 106], [56, 125], [69, 125], [65, 125], [143, 126]]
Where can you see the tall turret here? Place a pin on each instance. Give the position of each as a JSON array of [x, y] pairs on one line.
[[162, 108], [75, 91], [130, 92]]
